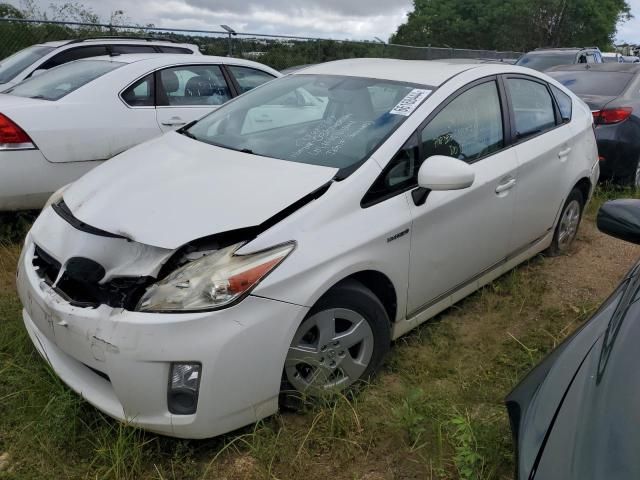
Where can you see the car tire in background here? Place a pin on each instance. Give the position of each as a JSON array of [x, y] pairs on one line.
[[339, 345], [568, 224]]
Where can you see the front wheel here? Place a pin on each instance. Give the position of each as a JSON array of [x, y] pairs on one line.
[[567, 226], [340, 343]]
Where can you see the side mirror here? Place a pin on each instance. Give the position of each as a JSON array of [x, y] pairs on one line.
[[445, 173], [621, 219]]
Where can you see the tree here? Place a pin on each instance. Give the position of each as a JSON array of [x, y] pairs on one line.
[[9, 11], [512, 24]]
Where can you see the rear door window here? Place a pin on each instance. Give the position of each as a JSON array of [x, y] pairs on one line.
[[164, 49], [565, 105], [123, 49], [249, 78], [141, 93], [532, 105]]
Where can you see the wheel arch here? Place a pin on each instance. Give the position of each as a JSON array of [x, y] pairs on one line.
[[585, 188], [381, 286]]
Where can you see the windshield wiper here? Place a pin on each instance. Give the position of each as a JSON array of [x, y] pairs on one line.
[[246, 150], [186, 133]]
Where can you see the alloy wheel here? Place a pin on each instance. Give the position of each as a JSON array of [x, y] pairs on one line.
[[330, 351], [569, 224]]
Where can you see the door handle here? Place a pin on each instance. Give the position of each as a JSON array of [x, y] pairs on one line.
[[174, 122], [564, 153], [506, 185]]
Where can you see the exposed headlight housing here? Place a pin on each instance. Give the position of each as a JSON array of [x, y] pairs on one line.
[[214, 281]]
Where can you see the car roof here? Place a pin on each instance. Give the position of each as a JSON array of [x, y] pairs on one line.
[[425, 72], [154, 60], [114, 41], [541, 51], [597, 67], [610, 54]]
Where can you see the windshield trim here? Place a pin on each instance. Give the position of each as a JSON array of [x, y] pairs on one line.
[[343, 172]]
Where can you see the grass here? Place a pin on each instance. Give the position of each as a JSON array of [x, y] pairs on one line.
[[435, 410]]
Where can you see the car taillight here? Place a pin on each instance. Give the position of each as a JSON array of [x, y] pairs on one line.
[[12, 136], [611, 115]]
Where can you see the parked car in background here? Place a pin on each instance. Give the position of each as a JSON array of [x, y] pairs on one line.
[[542, 59], [631, 59], [61, 124], [612, 57], [612, 91], [199, 277], [575, 415], [44, 56]]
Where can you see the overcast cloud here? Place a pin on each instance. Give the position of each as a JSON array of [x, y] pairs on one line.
[[361, 19]]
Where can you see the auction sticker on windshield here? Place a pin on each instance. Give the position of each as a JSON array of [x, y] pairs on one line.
[[410, 102]]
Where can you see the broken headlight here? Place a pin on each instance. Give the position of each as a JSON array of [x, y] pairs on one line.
[[213, 281]]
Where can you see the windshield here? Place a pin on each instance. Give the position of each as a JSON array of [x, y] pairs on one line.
[[62, 80], [542, 61], [326, 120], [11, 66], [609, 84]]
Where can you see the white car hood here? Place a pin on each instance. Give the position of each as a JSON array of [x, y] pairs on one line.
[[173, 189]]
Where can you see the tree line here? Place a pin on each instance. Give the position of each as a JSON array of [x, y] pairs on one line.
[[514, 24]]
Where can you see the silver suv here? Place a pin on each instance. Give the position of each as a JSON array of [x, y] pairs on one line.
[[37, 58]]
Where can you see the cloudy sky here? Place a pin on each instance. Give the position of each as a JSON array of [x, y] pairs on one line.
[[363, 19]]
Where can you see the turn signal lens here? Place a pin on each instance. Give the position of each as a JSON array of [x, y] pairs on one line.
[[12, 136], [612, 115]]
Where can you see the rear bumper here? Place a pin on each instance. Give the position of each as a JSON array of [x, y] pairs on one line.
[[119, 360], [27, 179], [619, 156]]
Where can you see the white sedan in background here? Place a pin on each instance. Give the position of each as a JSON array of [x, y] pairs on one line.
[[194, 280], [57, 126]]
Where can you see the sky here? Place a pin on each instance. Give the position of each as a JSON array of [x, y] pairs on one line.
[[355, 19]]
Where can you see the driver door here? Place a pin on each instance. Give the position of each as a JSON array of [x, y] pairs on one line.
[[458, 235]]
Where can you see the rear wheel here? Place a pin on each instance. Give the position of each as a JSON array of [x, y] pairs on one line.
[[340, 343], [567, 226]]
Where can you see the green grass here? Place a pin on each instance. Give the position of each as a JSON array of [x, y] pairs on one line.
[[435, 410]]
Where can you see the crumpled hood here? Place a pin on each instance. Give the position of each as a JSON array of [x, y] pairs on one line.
[[173, 189]]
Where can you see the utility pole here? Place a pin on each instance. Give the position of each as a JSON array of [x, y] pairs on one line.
[[231, 32]]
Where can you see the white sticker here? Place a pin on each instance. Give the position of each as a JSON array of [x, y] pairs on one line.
[[409, 103]]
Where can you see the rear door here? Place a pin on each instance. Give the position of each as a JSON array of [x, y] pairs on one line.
[[543, 146], [188, 92]]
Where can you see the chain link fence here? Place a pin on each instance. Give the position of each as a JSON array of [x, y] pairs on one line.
[[277, 51]]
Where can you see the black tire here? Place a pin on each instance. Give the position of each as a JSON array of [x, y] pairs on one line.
[[559, 245], [350, 295]]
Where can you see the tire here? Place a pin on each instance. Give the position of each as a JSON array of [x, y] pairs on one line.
[[568, 224], [339, 345]]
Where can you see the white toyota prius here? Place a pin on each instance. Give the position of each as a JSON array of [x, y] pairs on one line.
[[275, 247]]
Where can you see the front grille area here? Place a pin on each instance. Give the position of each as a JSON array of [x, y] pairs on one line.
[[121, 292]]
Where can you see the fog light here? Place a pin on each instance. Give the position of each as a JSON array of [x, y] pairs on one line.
[[184, 382]]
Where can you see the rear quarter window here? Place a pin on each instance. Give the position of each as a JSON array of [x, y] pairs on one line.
[[565, 104]]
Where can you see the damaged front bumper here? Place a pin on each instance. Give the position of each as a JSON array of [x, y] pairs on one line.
[[119, 360]]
